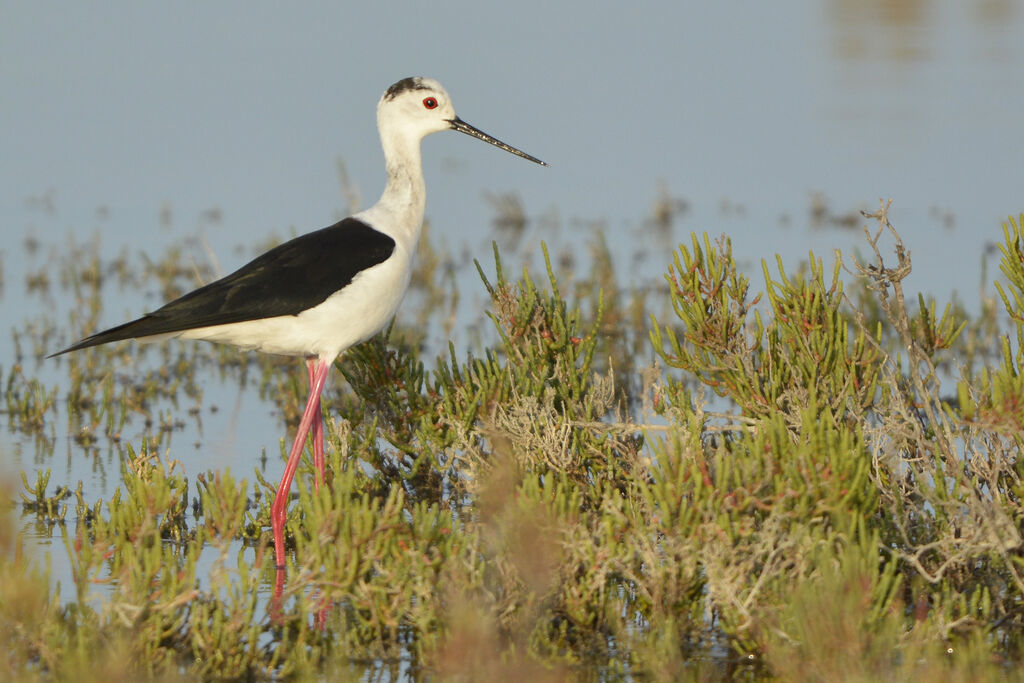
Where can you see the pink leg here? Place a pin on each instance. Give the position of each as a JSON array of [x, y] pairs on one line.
[[318, 429], [312, 411]]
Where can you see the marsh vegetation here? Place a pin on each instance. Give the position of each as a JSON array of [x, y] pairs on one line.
[[803, 472]]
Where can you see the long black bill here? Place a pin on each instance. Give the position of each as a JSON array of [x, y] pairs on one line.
[[463, 127]]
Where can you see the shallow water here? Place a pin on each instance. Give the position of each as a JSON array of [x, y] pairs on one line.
[[761, 110]]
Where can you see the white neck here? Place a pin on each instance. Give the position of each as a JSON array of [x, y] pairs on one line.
[[399, 213]]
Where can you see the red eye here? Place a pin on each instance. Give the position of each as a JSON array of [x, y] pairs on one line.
[[430, 103]]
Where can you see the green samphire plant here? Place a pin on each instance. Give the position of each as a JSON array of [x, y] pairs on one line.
[[817, 478]]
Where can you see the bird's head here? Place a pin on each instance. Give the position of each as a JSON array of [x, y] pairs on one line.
[[418, 106]]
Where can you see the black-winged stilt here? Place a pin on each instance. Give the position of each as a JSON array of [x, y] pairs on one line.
[[323, 292]]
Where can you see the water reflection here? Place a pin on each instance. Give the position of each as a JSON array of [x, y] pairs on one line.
[[906, 31]]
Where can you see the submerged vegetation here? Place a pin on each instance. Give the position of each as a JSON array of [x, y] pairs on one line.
[[818, 478]]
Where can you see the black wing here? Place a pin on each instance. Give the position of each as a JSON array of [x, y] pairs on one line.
[[286, 280]]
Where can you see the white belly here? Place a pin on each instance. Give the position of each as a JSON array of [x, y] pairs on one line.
[[354, 314]]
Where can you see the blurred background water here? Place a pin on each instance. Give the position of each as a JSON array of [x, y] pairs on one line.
[[134, 126]]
